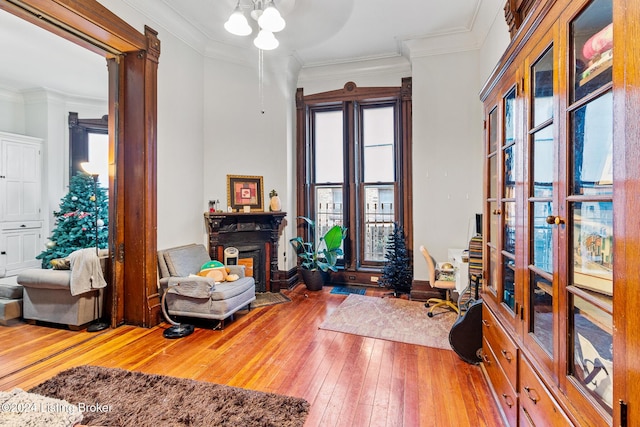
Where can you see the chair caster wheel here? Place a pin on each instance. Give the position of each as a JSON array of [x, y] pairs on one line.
[[430, 314], [426, 304]]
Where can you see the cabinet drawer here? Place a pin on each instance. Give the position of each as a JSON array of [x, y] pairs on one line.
[[537, 406], [20, 225], [504, 349], [505, 392]]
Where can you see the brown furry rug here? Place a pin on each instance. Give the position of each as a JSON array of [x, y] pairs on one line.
[[116, 397]]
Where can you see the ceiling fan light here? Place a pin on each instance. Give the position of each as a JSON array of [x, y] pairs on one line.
[[237, 23], [266, 40], [271, 20]]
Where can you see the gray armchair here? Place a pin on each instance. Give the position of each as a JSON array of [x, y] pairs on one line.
[[190, 295]]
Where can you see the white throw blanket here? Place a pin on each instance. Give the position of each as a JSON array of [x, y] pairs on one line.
[[86, 272]]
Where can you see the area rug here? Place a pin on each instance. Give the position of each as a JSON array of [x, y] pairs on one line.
[[19, 408], [346, 290], [116, 397], [264, 299], [392, 319]]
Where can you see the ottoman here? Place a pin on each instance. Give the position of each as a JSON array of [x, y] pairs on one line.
[[10, 302]]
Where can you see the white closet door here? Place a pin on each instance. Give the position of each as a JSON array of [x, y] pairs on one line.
[[21, 180]]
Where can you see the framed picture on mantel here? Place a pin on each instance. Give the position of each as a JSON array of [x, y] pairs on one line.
[[243, 190]]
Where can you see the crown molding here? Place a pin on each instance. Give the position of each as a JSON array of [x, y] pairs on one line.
[[395, 64], [170, 19], [11, 95], [47, 95]]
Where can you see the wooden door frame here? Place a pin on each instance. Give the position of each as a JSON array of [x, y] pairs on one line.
[[132, 61]]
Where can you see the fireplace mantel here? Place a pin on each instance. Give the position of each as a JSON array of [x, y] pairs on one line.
[[254, 233]]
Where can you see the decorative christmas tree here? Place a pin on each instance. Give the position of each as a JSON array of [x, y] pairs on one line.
[[397, 273], [76, 220]]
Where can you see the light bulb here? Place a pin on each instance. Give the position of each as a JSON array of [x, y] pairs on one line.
[[271, 19], [266, 40], [237, 23]]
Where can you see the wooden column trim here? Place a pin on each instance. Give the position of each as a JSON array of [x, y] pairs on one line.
[[132, 64]]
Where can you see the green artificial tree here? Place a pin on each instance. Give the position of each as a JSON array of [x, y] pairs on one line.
[[397, 273], [76, 220]]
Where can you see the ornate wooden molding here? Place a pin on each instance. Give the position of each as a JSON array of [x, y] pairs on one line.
[[515, 12]]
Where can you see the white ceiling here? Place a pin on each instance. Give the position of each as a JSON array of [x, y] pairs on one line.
[[317, 33]]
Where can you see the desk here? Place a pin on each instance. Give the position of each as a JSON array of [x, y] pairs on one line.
[[462, 269]]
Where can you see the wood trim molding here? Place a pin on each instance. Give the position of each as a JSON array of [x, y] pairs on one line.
[[132, 135]]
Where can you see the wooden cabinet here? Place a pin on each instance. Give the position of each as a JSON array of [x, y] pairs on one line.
[[20, 202], [562, 178], [500, 359]]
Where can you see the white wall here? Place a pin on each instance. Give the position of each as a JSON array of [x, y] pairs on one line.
[[493, 46], [249, 133], [180, 136], [11, 111], [447, 154], [180, 143]]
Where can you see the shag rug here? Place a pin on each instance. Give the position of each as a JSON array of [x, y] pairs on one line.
[[346, 290], [264, 299], [116, 397], [22, 409], [392, 319]]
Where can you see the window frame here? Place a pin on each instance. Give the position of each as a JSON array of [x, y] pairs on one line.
[[352, 101], [79, 130]]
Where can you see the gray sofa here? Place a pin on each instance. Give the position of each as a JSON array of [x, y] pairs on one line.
[[189, 295], [48, 297]]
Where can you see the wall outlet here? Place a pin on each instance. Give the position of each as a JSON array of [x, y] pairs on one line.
[[374, 278]]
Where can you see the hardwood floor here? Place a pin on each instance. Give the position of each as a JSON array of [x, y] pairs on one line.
[[348, 380]]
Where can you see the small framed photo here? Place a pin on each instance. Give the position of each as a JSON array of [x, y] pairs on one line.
[[243, 190]]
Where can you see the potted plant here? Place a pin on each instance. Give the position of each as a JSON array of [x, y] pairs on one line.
[[316, 260]]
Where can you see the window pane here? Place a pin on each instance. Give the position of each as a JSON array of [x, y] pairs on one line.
[[543, 161], [542, 72], [508, 279], [378, 216], [328, 152], [378, 144], [542, 308], [593, 147], [493, 223], [99, 156], [593, 351], [510, 117], [509, 243], [492, 279], [329, 209], [593, 247], [592, 45], [493, 130], [493, 176], [509, 172], [542, 253]]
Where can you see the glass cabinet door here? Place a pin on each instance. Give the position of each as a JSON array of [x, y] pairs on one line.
[[589, 223], [492, 245], [542, 145], [502, 175], [508, 184]]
